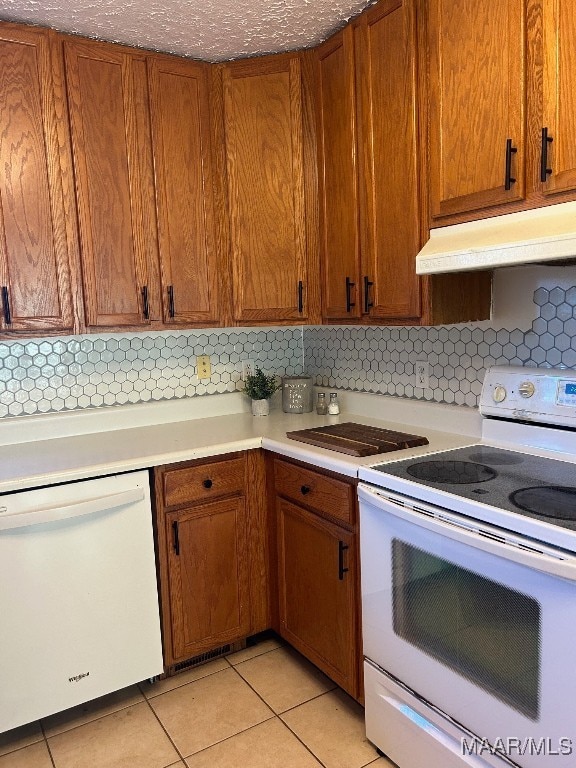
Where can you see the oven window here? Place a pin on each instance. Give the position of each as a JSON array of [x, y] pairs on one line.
[[483, 630]]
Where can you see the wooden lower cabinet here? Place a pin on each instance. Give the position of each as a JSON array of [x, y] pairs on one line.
[[213, 553], [208, 576], [246, 545], [318, 581], [317, 571]]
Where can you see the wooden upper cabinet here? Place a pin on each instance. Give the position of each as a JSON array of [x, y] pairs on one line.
[[107, 94], [557, 171], [338, 177], [265, 184], [34, 250], [476, 102], [179, 107], [385, 41]]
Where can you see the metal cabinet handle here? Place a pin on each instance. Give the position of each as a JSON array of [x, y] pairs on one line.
[[145, 303], [349, 302], [6, 305], [341, 570], [508, 178], [207, 483], [300, 296], [171, 300], [305, 489], [367, 303], [546, 141], [175, 537]]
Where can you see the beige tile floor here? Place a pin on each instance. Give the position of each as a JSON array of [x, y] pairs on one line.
[[264, 707]]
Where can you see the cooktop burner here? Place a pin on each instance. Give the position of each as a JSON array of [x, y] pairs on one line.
[[548, 501], [457, 472], [532, 486]]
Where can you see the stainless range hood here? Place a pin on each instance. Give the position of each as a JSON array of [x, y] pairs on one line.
[[541, 235]]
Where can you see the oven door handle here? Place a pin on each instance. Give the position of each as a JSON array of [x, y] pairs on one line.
[[474, 534]]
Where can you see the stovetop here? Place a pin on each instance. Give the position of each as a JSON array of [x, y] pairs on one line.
[[531, 486], [536, 487]]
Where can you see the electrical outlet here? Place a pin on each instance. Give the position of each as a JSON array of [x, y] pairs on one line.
[[421, 374], [248, 368], [203, 366]]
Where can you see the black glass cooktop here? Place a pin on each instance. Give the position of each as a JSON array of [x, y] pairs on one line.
[[544, 489]]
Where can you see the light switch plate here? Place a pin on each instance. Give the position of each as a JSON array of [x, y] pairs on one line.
[[203, 366]]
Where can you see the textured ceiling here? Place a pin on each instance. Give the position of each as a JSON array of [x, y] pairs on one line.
[[213, 30]]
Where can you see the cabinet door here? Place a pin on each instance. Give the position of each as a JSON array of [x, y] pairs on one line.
[[317, 575], [104, 91], [390, 213], [338, 177], [208, 576], [179, 106], [34, 254], [476, 102], [558, 173], [264, 156]]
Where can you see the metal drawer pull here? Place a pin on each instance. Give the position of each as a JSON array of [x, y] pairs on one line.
[[145, 303], [176, 537], [207, 483], [304, 489], [367, 303], [546, 141], [341, 570], [508, 178], [349, 302], [6, 305]]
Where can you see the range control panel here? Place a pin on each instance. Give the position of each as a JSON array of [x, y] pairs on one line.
[[543, 395]]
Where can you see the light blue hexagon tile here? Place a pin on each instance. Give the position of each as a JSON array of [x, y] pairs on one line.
[[59, 374], [369, 359]]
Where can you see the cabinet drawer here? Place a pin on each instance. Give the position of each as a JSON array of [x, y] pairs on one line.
[[188, 485], [324, 494]]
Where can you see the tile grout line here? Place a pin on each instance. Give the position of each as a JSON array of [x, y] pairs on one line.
[[166, 732], [277, 715], [181, 756], [51, 756], [273, 716]]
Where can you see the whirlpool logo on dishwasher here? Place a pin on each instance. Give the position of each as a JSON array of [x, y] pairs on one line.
[[77, 678]]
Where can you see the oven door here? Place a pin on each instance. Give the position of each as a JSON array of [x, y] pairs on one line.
[[480, 624]]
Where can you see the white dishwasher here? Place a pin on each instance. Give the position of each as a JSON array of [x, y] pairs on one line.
[[78, 598]]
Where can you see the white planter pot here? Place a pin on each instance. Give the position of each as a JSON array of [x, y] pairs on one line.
[[260, 407]]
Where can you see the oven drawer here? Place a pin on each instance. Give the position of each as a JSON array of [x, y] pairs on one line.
[[410, 733], [324, 494]]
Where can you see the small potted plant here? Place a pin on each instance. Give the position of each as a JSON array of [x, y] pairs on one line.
[[260, 389]]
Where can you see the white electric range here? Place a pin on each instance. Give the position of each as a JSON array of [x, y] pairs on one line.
[[469, 587]]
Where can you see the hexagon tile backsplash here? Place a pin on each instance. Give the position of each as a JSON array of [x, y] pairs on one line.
[[381, 359], [60, 374], [48, 375]]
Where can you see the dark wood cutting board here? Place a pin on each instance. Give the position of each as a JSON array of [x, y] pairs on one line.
[[357, 439]]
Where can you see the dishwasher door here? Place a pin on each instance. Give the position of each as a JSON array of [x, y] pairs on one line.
[[79, 611]]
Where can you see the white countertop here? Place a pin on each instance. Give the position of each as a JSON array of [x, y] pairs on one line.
[[65, 447]]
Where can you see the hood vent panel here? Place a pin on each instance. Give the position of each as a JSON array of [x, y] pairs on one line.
[[528, 237]]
